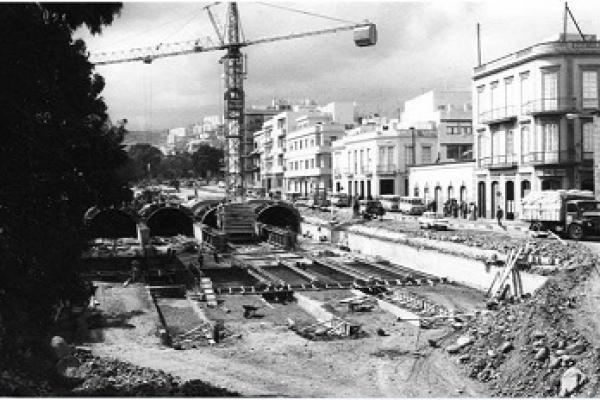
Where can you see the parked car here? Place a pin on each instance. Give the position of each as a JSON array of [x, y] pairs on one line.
[[371, 209], [221, 185], [430, 220]]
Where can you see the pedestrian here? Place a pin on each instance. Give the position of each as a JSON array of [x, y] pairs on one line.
[[499, 216], [216, 256], [356, 207], [474, 212], [200, 258]]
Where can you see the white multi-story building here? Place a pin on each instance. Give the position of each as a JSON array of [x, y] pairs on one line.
[[308, 153], [373, 158], [533, 121], [269, 156], [447, 111]]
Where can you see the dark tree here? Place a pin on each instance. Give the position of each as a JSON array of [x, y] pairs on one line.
[[176, 166], [59, 155], [146, 160], [208, 161]]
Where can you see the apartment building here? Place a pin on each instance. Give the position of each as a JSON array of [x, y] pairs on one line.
[[533, 121], [373, 158], [308, 153], [449, 112]]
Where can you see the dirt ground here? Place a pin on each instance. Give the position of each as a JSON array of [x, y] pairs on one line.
[[269, 359]]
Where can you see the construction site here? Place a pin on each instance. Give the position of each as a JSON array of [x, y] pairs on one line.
[[239, 297], [273, 311]]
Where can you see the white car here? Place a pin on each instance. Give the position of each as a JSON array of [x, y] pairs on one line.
[[430, 220], [221, 185]]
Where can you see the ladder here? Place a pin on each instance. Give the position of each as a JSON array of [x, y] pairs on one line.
[[501, 280]]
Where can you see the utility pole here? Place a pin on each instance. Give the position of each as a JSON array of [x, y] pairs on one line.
[[414, 145]]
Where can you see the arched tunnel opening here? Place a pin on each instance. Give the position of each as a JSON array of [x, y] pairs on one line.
[[169, 221], [111, 224], [208, 216], [281, 215]]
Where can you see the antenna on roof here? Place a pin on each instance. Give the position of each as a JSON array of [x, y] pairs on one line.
[[479, 44], [568, 11]]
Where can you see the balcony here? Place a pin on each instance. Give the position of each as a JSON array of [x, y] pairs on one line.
[[502, 161], [349, 172], [550, 106], [497, 115], [548, 157], [386, 169]]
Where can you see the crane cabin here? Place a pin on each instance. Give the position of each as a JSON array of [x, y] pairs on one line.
[[365, 35]]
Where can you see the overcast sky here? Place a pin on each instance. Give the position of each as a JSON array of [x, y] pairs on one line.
[[422, 46]]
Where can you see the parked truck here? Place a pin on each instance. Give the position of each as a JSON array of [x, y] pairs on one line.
[[572, 213]]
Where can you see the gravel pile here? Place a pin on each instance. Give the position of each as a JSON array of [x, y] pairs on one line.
[[105, 377], [533, 348]]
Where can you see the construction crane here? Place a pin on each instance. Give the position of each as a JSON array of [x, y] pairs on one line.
[[229, 39]]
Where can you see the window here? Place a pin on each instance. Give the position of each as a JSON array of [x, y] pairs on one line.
[[588, 140], [551, 142], [550, 90], [369, 159], [300, 144], [362, 161], [497, 99], [525, 145], [590, 89], [452, 130], [355, 161], [467, 130], [390, 160], [425, 154], [510, 145], [525, 91], [312, 142], [306, 164], [509, 95], [481, 107], [409, 155], [312, 163]]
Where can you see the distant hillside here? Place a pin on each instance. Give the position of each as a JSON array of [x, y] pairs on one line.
[[155, 138]]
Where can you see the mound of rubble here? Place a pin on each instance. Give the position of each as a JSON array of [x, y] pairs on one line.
[[533, 348], [96, 376]]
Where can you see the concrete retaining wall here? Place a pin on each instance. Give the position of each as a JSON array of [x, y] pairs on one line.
[[459, 269]]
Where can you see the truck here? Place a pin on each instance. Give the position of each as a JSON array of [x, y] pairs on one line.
[[571, 213]]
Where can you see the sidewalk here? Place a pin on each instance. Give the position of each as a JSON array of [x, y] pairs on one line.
[[487, 224]]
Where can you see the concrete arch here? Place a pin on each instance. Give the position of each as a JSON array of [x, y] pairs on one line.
[[280, 214], [170, 221], [110, 223], [207, 215]]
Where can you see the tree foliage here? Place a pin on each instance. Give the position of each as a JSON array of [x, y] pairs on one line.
[[208, 161], [145, 160], [59, 155]]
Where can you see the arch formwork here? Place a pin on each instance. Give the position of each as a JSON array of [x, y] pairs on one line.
[[110, 223], [170, 221]]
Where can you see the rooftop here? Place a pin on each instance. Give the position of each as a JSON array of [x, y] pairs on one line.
[[557, 47]]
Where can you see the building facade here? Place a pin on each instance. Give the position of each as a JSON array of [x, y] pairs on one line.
[[533, 122], [442, 182], [373, 158], [308, 153], [449, 112]]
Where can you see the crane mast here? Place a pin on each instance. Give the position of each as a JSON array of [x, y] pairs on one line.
[[234, 100]]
